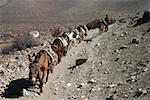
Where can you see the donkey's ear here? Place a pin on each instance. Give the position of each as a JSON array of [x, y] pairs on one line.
[[30, 59]]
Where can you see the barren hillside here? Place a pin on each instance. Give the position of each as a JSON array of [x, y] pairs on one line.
[[115, 67]]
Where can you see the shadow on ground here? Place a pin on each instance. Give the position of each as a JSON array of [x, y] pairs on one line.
[[15, 88], [78, 63]]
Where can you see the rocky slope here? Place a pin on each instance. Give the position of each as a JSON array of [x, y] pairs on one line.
[[111, 66]]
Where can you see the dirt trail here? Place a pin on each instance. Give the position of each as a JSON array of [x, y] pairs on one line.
[[64, 81]]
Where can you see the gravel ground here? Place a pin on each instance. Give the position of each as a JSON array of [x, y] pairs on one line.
[[115, 67], [116, 64]]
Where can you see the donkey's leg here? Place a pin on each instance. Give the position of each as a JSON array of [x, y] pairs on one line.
[[59, 56], [65, 50], [41, 86], [47, 75], [83, 36], [51, 68], [42, 81]]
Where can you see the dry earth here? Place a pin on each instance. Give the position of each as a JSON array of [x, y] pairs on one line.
[[117, 68], [117, 62]]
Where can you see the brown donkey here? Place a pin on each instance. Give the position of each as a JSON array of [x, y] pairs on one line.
[[82, 32], [101, 26], [60, 47], [42, 63]]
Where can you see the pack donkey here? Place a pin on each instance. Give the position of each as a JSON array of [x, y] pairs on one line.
[[60, 47], [38, 67]]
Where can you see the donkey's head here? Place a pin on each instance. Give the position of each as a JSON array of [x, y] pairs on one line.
[[101, 27], [33, 70]]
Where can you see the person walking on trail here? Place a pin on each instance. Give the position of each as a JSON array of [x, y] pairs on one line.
[[107, 22]]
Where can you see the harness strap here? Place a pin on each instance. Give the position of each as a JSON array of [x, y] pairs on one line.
[[64, 42], [85, 27], [84, 31]]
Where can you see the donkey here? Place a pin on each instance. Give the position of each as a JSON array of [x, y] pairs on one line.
[[38, 67], [81, 31], [102, 25], [74, 38], [70, 37], [59, 46], [84, 29], [93, 24], [98, 23]]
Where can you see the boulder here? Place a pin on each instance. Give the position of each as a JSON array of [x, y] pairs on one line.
[[145, 18], [34, 34]]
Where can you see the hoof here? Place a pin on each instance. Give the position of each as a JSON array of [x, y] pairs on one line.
[[41, 91], [45, 82]]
